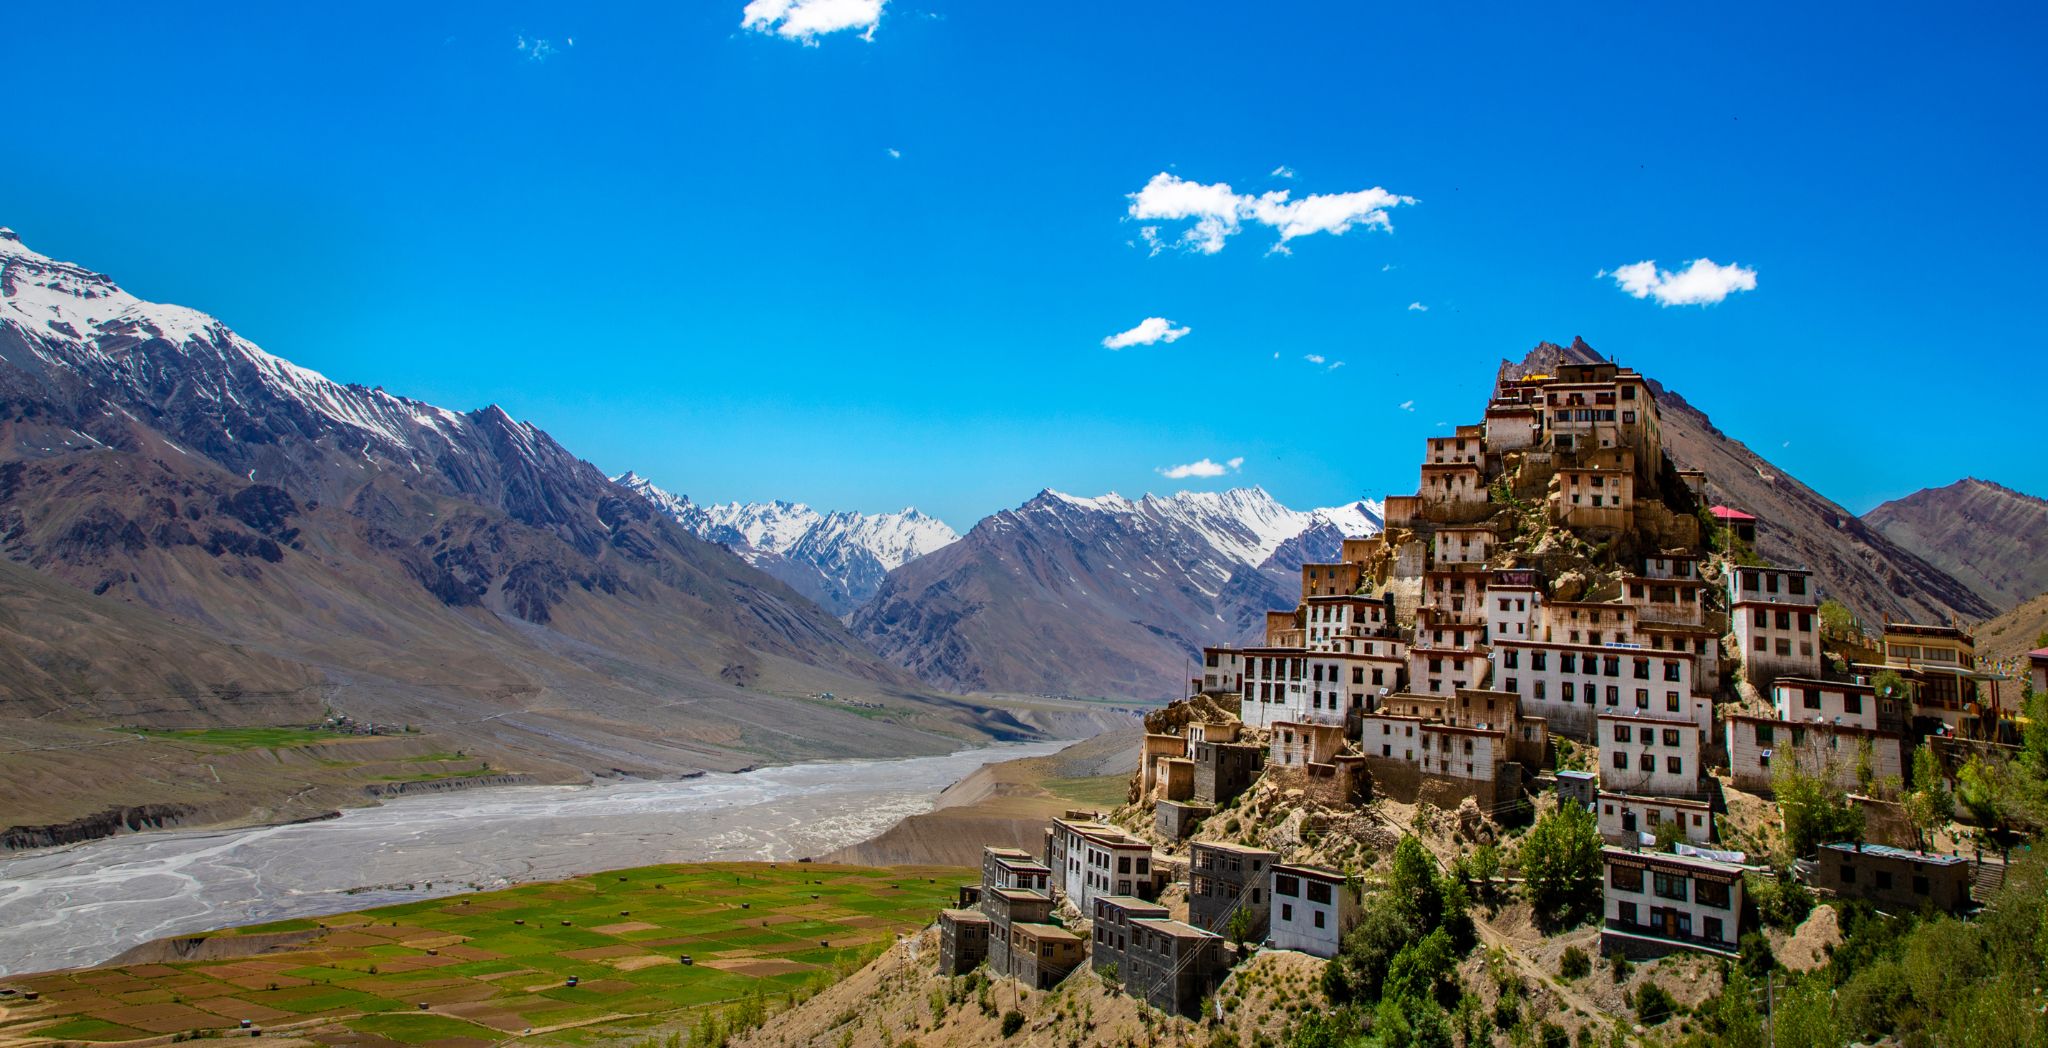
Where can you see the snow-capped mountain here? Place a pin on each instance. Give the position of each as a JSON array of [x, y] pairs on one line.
[[837, 559], [1101, 595], [336, 543]]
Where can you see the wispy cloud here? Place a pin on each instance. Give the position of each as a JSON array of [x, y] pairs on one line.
[[1334, 365], [806, 20], [1313, 358], [1283, 171], [1417, 307], [1215, 212], [895, 154], [540, 49], [1408, 405], [1702, 283], [1149, 331], [1201, 468]]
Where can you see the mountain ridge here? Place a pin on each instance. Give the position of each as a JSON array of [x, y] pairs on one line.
[[1968, 529]]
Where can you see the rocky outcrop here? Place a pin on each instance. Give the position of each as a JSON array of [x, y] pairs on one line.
[[448, 785], [105, 823]]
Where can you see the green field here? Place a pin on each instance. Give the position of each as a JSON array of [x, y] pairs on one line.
[[1099, 791], [496, 964], [243, 738]]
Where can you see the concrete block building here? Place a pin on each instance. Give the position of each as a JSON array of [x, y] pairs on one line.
[[1775, 616], [1172, 965], [1043, 954], [1223, 878], [1090, 859], [1625, 819], [1895, 879], [1312, 909], [963, 940], [1110, 929], [1655, 903]]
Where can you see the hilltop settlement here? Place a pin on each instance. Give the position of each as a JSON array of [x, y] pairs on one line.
[[1559, 718]]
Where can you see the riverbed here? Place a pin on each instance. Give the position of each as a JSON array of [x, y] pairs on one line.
[[87, 903]]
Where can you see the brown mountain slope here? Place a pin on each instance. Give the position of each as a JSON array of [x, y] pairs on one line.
[[1990, 537], [1855, 563], [2013, 634], [330, 546]]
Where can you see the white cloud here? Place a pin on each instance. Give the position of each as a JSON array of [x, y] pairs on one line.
[[1388, 268], [1149, 331], [1702, 283], [1200, 468], [1408, 405], [806, 20], [1417, 307], [895, 154], [1283, 171], [1217, 211], [540, 50], [1335, 364], [1313, 358]]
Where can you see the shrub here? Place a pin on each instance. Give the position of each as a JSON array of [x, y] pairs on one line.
[[1653, 1004], [1012, 1022], [1560, 862], [1781, 902], [1574, 964], [1554, 1036]]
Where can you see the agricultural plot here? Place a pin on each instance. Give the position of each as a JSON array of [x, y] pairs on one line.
[[552, 961]]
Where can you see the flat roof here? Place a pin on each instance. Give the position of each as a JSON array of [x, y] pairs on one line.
[[1817, 682], [1676, 802], [1306, 870], [1021, 894], [967, 916], [1177, 929], [1611, 853], [1047, 931], [1889, 852], [1245, 849]]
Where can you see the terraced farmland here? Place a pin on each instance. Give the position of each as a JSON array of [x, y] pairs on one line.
[[471, 971]]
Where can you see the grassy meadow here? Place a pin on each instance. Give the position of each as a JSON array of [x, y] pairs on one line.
[[474, 970]]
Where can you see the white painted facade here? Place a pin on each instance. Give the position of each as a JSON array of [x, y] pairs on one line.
[[1312, 910], [1648, 756]]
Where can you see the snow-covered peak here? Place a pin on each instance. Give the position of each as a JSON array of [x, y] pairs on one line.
[[79, 319], [795, 530], [1245, 524]]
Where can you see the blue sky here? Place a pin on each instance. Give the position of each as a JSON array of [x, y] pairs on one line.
[[686, 247]]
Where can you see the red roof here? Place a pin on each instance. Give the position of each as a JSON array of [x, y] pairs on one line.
[[1724, 513], [2038, 654]]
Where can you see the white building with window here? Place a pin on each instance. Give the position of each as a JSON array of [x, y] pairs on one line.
[[1625, 818], [1570, 685], [1092, 859], [1312, 910], [1649, 756], [1775, 616], [1655, 902]]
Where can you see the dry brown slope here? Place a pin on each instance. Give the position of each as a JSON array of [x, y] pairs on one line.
[[1992, 538], [2013, 634], [1855, 563]]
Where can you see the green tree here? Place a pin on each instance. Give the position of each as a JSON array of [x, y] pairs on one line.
[[1360, 967], [1838, 622], [1241, 924], [1929, 805], [1814, 810], [1427, 967], [1560, 861], [1738, 1023]]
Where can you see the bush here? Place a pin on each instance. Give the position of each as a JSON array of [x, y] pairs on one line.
[[1012, 1022], [1653, 1004], [1781, 901], [1574, 964], [1554, 1036], [1560, 860]]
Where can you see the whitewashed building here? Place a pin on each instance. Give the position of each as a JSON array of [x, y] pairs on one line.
[[1312, 909]]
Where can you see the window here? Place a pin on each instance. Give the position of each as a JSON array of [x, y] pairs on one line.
[[1848, 874], [1283, 884], [1642, 669], [1920, 885], [1621, 733], [1539, 660], [1884, 880], [1286, 911], [1670, 886], [1671, 701], [1626, 878], [1319, 892], [1642, 698], [1811, 699], [1852, 703], [1671, 736], [1648, 763], [1671, 671], [1620, 760], [1674, 765], [1764, 735], [1613, 695], [1319, 918], [1626, 912]]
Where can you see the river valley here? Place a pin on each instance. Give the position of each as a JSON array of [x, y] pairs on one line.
[[87, 903]]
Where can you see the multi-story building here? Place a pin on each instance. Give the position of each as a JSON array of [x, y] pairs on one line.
[[1570, 685], [1313, 909], [1171, 965], [1005, 908], [1940, 664], [1655, 903], [1043, 954], [1775, 615], [1223, 878], [1839, 731], [1091, 859], [1462, 546], [1626, 819], [1515, 605], [1110, 928], [1295, 744], [1013, 868], [1223, 770], [963, 940], [1473, 743], [1653, 756]]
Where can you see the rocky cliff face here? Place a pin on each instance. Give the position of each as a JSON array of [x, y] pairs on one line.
[[1855, 562], [1099, 596], [1991, 538], [344, 546]]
